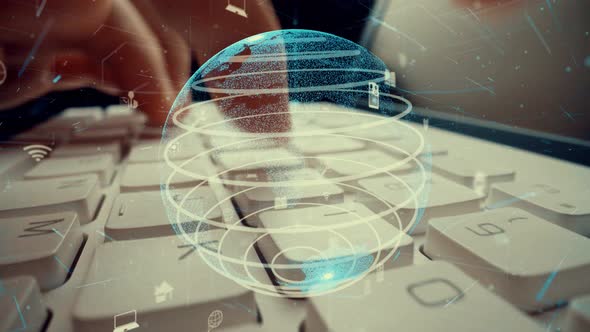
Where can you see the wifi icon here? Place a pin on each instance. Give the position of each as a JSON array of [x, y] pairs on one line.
[[37, 151]]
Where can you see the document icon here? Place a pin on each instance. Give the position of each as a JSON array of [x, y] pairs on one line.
[[237, 10], [126, 321], [373, 95]]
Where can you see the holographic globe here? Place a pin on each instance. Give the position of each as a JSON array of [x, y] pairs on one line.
[[288, 166]]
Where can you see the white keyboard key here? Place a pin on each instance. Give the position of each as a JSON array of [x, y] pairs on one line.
[[153, 151], [326, 144], [43, 246], [76, 150], [361, 162], [472, 173], [21, 305], [12, 161], [257, 160], [577, 317], [428, 298], [509, 249], [566, 207], [281, 197], [367, 242], [333, 116], [121, 115], [102, 165], [71, 123], [150, 176], [80, 194], [144, 215], [164, 285], [78, 112], [100, 134], [439, 198], [40, 136], [410, 146]]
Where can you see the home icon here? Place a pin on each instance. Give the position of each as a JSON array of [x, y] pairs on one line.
[[163, 292]]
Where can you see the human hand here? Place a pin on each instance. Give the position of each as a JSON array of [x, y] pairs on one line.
[[117, 46]]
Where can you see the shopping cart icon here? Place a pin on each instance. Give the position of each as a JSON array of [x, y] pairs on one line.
[[126, 321]]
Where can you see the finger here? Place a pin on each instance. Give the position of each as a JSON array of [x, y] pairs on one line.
[[264, 112], [176, 50], [224, 28], [66, 70], [133, 54]]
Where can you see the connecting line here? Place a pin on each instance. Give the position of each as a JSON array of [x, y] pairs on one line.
[[555, 20], [20, 315], [106, 236], [481, 86], [460, 295], [38, 42], [396, 30], [62, 264], [537, 32], [40, 8], [57, 232], [548, 282]]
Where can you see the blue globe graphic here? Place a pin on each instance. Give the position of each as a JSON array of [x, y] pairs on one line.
[[245, 172]]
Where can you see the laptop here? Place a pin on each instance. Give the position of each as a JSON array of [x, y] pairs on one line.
[[467, 209]]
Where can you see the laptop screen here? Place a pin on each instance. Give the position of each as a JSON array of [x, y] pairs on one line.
[[524, 64]]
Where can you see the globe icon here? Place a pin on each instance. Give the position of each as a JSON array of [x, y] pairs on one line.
[[249, 181], [215, 319]]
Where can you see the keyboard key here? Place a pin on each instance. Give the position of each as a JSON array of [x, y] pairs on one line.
[[80, 194], [76, 150], [475, 174], [325, 144], [281, 197], [566, 207], [257, 161], [144, 215], [301, 248], [166, 286], [439, 198], [43, 246], [40, 136], [100, 134], [101, 164], [361, 162], [430, 297], [21, 305], [150, 176], [577, 316], [80, 112], [12, 161], [410, 146], [153, 151], [528, 261]]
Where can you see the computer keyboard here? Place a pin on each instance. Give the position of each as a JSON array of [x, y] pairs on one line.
[[86, 243]]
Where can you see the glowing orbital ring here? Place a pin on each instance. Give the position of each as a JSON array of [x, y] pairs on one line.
[[382, 120], [199, 85], [180, 208]]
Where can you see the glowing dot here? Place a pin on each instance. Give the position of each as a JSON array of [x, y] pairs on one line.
[[568, 69], [328, 276], [587, 61]]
